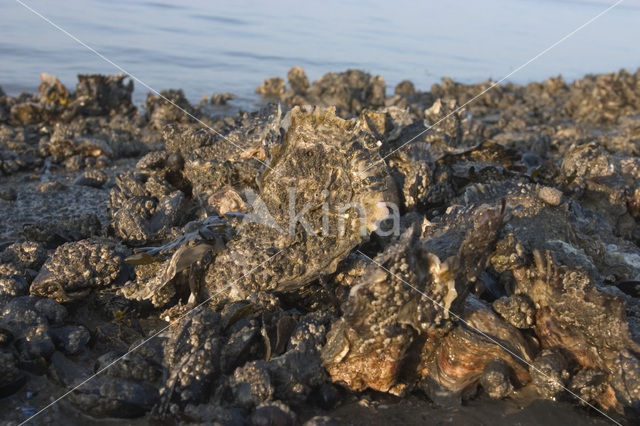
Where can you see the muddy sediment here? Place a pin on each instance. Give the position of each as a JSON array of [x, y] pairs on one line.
[[342, 255]]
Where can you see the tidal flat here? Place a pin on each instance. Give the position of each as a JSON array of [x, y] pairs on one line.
[[342, 255]]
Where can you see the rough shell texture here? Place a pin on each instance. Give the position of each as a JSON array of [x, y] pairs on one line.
[[191, 353], [321, 160], [406, 295], [75, 269]]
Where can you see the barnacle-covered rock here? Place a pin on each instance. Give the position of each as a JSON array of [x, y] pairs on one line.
[[604, 98], [405, 87], [148, 285], [592, 386], [271, 87], [560, 268], [53, 233], [414, 167], [49, 106], [94, 142], [496, 380], [18, 265], [191, 353], [441, 170], [449, 123], [52, 91], [12, 283], [553, 257], [75, 269], [18, 150], [145, 208], [93, 178], [99, 94], [221, 99], [298, 81], [350, 92], [26, 255], [166, 166], [604, 183], [364, 349], [144, 364], [26, 113], [169, 106], [551, 196], [103, 395], [29, 320], [550, 373], [241, 346], [573, 233], [251, 384], [66, 144], [445, 129], [517, 310], [299, 370]]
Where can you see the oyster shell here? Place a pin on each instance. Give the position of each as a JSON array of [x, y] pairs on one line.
[[585, 321], [386, 317], [552, 256], [459, 361], [319, 198]]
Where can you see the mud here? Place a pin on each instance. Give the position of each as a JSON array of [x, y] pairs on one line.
[[445, 265]]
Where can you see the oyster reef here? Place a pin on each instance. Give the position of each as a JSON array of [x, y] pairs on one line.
[[341, 256]]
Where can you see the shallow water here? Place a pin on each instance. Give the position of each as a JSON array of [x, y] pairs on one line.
[[206, 47]]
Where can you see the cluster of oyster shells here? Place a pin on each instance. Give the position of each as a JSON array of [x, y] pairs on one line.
[[394, 244], [475, 295]]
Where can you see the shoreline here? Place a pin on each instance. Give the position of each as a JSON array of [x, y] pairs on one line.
[[248, 100]]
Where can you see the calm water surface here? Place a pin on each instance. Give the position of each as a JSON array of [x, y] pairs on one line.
[[207, 46]]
